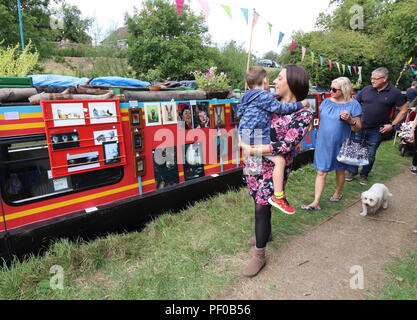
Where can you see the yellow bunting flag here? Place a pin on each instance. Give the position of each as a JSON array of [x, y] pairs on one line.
[[227, 10]]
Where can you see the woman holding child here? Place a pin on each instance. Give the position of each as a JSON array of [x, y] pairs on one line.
[[266, 172]]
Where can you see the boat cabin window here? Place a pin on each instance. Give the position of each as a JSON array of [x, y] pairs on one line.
[[25, 173]]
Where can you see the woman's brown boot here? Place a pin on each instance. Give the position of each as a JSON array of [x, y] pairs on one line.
[[252, 241], [256, 263]]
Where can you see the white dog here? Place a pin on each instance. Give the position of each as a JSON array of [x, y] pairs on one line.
[[372, 199]]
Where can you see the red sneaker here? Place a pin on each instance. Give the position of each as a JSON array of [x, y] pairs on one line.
[[281, 204]]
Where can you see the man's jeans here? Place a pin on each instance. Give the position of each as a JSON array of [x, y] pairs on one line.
[[373, 138]]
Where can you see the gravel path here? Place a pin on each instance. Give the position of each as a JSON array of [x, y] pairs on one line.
[[320, 263]]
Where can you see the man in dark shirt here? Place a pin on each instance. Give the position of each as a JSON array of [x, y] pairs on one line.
[[377, 101], [412, 94]]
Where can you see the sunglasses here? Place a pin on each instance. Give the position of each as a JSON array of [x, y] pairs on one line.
[[334, 90], [374, 79]]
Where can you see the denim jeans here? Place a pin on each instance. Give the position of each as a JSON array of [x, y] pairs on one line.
[[373, 138]]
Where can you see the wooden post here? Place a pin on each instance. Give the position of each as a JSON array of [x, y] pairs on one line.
[[250, 46], [401, 74]]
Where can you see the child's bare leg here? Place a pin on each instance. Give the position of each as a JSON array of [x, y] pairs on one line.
[[278, 174]]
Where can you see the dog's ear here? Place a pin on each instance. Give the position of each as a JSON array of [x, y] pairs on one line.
[[362, 195]]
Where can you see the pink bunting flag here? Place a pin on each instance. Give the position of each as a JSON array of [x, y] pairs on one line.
[[360, 70], [354, 68], [180, 3], [330, 64], [293, 45], [303, 53], [255, 18], [338, 66], [206, 8]]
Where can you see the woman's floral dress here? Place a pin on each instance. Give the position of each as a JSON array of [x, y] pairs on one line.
[[288, 131]]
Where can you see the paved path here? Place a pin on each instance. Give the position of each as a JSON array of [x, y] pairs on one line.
[[317, 264]]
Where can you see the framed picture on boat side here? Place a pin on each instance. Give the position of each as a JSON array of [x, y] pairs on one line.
[[234, 119], [135, 118], [219, 119], [137, 138], [140, 166]]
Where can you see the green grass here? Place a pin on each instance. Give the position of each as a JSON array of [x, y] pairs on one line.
[[194, 254], [403, 282]]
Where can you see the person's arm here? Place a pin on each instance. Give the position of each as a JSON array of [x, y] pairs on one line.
[[272, 105], [353, 120], [264, 149], [398, 119]]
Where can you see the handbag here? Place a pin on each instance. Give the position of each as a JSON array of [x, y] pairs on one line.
[[353, 152]]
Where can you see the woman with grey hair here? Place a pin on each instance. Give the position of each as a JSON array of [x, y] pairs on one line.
[[339, 115]]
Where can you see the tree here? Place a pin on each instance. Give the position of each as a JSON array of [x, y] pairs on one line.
[[167, 46], [74, 28], [360, 15], [390, 27], [232, 59], [35, 20], [347, 47], [271, 55]]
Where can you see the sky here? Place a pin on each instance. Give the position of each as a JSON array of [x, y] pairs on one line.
[[286, 16]]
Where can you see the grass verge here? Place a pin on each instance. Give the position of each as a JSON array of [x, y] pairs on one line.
[[403, 282], [194, 254]]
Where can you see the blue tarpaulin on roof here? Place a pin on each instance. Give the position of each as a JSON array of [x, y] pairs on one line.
[[56, 80], [120, 82]]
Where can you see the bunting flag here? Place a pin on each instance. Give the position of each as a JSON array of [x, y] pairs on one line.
[[227, 10], [205, 5], [255, 18], [303, 53], [360, 74], [206, 8], [245, 14], [414, 72], [293, 46], [180, 3], [411, 60], [280, 37], [270, 28]]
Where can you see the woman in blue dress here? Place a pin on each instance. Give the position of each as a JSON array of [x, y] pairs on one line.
[[339, 115]]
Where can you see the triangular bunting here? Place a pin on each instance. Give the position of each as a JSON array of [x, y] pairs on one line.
[[338, 66], [303, 53], [280, 37], [180, 3], [350, 69], [227, 10], [293, 46], [245, 12], [321, 61], [312, 57], [330, 64], [255, 18], [344, 68], [354, 68], [206, 8], [270, 28]]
